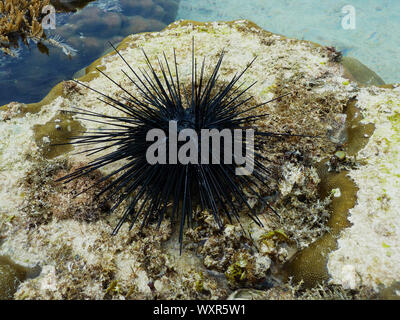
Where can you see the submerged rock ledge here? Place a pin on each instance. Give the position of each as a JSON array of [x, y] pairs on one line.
[[41, 223]]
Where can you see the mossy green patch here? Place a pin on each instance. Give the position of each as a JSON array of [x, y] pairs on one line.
[[113, 287], [236, 271], [395, 121], [357, 133], [57, 131], [278, 233], [199, 282]]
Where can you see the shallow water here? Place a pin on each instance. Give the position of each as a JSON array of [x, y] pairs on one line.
[[375, 41], [30, 76]]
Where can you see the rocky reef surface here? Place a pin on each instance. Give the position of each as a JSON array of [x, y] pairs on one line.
[[369, 251], [43, 223]]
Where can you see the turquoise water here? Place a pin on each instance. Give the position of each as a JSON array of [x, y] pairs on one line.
[[375, 41]]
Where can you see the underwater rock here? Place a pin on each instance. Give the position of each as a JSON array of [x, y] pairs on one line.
[[69, 5], [108, 5], [162, 10], [80, 258], [361, 73]]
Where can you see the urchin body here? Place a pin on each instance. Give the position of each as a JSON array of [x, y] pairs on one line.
[[156, 190]]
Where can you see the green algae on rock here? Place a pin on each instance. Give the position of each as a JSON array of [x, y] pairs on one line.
[[53, 141], [309, 266], [80, 254]]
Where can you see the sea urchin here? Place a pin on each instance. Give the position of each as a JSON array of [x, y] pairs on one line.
[[163, 186]]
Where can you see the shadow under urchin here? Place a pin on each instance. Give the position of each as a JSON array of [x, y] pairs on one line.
[[150, 189]]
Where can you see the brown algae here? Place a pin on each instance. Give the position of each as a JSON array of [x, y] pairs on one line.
[[20, 20]]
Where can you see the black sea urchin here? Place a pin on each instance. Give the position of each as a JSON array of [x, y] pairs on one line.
[[151, 187]]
